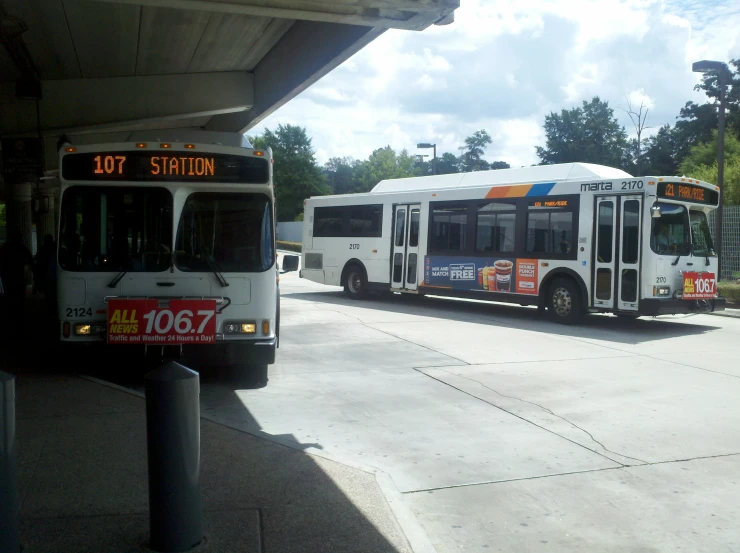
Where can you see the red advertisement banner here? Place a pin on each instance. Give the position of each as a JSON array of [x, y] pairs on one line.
[[526, 276], [699, 286], [145, 322]]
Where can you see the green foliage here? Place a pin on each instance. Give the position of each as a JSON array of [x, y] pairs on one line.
[[589, 134], [729, 290], [701, 163], [299, 217], [447, 164], [383, 163], [659, 153], [296, 174], [475, 146], [290, 246]]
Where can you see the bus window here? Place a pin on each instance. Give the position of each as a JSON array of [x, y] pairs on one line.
[[449, 229], [234, 230], [414, 230], [328, 222], [494, 228], [365, 221], [549, 230], [631, 230], [606, 233], [113, 228], [701, 238], [670, 231]]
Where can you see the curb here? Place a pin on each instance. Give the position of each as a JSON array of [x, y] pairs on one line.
[[410, 526], [732, 313]]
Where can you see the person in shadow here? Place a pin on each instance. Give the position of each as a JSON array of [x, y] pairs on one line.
[[14, 258]]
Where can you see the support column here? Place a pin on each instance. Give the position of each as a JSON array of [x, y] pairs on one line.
[[19, 212], [44, 205]]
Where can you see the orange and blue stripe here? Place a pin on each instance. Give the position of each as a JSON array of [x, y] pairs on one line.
[[521, 190]]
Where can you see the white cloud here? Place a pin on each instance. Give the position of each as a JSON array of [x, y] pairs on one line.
[[503, 65]]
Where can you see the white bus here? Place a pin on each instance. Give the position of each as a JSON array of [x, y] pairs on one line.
[[170, 241], [570, 238]]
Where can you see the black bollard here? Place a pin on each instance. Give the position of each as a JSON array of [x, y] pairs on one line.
[[9, 515], [173, 446]]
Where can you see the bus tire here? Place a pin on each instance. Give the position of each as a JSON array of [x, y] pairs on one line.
[[355, 282], [253, 376], [564, 303]]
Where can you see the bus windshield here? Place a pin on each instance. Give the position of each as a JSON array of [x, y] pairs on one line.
[[670, 233], [229, 231], [114, 228], [700, 235]]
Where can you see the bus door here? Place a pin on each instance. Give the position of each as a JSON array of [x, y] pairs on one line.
[[617, 252], [405, 259]]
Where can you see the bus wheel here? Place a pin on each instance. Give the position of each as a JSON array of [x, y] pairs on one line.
[[564, 303], [355, 283], [253, 376]]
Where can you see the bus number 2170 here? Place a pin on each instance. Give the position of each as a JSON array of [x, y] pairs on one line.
[[354, 246]]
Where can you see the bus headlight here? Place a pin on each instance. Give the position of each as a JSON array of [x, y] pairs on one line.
[[238, 327], [661, 290], [88, 329]]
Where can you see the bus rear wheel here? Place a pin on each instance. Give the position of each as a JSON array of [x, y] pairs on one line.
[[564, 302], [355, 282]]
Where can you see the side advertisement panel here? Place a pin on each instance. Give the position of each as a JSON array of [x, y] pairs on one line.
[[503, 275]]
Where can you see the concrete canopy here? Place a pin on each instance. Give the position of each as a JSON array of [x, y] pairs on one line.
[[110, 67]]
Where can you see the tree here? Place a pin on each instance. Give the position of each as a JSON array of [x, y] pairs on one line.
[[471, 157], [383, 163], [659, 157], [339, 172], [589, 134], [638, 116], [296, 174], [447, 164], [499, 165], [710, 85], [701, 163], [694, 126]]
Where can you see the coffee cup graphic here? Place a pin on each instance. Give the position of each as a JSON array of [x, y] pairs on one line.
[[484, 273], [503, 269]]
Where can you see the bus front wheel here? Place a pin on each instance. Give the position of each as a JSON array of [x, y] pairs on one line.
[[564, 302], [355, 282]]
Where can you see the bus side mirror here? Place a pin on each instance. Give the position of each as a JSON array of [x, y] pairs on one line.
[[655, 212], [290, 263]]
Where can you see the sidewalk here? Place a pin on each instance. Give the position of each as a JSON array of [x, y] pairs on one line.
[[83, 482]]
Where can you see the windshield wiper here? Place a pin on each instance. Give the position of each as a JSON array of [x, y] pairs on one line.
[[216, 271], [117, 279], [680, 255]]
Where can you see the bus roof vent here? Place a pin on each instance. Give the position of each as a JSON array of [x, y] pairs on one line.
[[524, 175], [196, 136]]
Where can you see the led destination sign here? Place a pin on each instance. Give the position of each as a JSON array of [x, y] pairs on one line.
[[687, 193], [164, 166]]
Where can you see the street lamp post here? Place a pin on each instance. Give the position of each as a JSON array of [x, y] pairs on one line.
[[707, 66], [434, 158]]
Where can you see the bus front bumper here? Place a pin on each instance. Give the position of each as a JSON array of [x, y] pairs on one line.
[[672, 306]]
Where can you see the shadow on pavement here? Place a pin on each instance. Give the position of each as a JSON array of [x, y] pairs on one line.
[[594, 326], [83, 465]]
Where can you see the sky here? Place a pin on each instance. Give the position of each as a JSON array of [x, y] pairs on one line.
[[503, 65]]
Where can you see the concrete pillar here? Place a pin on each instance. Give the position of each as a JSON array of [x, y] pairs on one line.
[[18, 212], [44, 205]]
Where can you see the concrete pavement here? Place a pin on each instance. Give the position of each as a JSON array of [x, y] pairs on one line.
[[83, 480]]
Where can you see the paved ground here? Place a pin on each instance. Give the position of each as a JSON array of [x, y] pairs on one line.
[[505, 432]]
